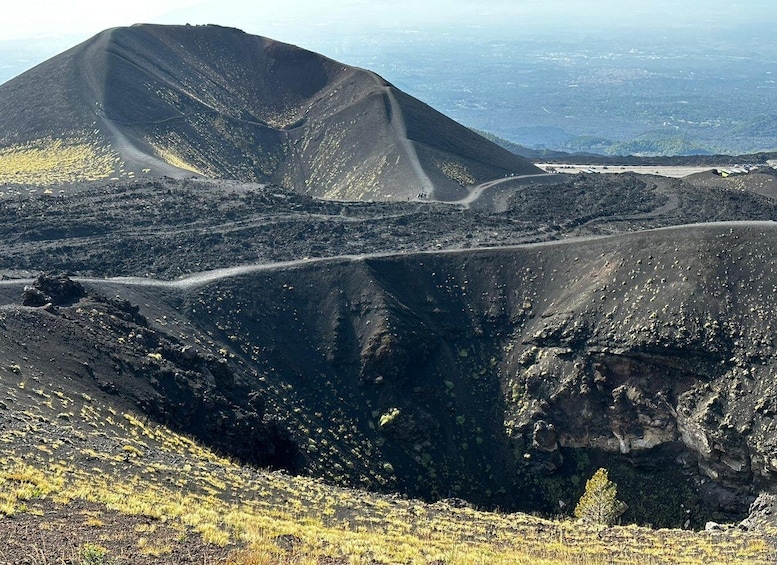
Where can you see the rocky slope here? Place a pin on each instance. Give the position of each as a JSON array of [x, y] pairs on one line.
[[168, 228], [504, 377], [216, 102]]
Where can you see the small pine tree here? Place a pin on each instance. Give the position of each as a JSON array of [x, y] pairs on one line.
[[599, 503]]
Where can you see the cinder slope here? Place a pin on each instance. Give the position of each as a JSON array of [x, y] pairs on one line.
[[503, 376], [182, 100]]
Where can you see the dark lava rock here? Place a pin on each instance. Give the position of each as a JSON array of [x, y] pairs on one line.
[[544, 437], [33, 297], [763, 513], [58, 290]]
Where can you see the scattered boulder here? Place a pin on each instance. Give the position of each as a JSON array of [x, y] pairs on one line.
[[33, 297], [763, 513], [544, 437], [58, 290]]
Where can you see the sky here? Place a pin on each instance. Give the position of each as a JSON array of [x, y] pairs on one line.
[[83, 18], [29, 19], [396, 37], [32, 31]]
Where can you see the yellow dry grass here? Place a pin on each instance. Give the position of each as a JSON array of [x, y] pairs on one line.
[[456, 172], [51, 161], [169, 156], [126, 464], [338, 523]]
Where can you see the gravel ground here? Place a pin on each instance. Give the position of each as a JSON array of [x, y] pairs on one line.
[[170, 228]]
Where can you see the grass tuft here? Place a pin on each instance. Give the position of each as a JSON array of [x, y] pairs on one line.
[[264, 517]]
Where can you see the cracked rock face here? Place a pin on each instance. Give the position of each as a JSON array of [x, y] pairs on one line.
[[664, 358], [762, 514], [629, 404]]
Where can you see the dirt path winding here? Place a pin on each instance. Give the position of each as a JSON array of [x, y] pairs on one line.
[[400, 130], [203, 278], [478, 190], [129, 153]]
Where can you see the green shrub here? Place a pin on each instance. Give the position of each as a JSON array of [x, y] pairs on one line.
[[94, 555], [599, 503]]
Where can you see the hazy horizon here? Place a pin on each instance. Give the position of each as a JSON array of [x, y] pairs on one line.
[[40, 29], [471, 61], [297, 20], [35, 30]]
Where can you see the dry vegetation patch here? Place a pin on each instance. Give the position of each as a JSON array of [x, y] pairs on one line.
[[141, 493], [51, 161]]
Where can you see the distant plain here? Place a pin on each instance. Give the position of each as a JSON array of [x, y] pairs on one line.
[[675, 91]]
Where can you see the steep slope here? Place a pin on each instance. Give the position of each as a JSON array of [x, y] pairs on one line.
[[504, 377], [212, 101]]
